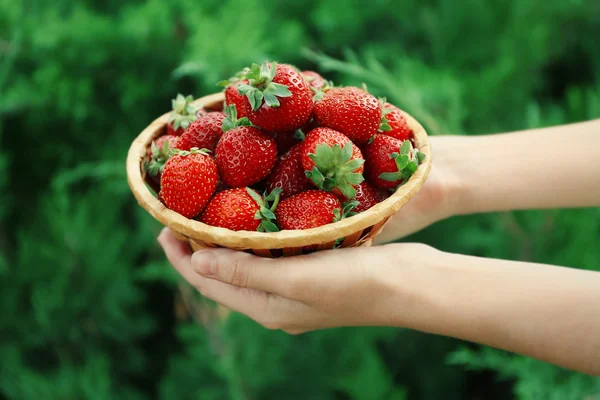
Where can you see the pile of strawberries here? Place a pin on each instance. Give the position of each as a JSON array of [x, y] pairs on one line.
[[289, 151]]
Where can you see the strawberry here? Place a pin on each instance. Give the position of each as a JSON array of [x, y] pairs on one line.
[[367, 196], [393, 123], [245, 155], [333, 163], [234, 97], [314, 79], [158, 154], [390, 162], [188, 181], [289, 175], [203, 133], [242, 209], [278, 97], [351, 111], [183, 114], [308, 210]]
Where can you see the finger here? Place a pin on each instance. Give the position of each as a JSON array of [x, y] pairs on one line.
[[291, 277], [240, 269], [247, 301], [179, 255]]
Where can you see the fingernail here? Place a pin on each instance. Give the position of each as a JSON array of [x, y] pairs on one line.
[[204, 262]]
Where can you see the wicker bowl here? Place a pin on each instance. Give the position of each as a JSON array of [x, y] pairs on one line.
[[358, 230]]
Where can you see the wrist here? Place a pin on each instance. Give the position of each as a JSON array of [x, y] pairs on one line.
[[451, 163], [410, 284]]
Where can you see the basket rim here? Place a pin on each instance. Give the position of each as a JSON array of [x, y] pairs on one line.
[[197, 230]]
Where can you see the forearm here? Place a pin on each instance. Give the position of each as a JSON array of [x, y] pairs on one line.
[[546, 312], [556, 167]]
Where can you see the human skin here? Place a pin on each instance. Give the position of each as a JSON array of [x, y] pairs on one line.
[[551, 313]]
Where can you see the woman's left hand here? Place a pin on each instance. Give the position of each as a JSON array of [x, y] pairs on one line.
[[344, 287]]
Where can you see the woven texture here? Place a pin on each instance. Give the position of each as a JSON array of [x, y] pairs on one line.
[[358, 230]]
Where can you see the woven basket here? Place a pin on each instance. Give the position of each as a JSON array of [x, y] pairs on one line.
[[358, 230]]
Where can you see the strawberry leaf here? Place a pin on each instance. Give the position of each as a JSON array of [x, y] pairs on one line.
[[267, 226], [160, 156], [255, 196], [335, 169], [406, 148], [299, 135], [279, 90], [261, 86], [271, 100], [267, 213], [407, 163], [337, 215], [390, 176], [231, 121]]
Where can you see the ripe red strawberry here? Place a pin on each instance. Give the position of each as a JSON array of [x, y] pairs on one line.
[[158, 154], [245, 155], [241, 209], [289, 175], [279, 98], [390, 162], [394, 123], [183, 114], [203, 133], [367, 196], [333, 162], [308, 210], [351, 111], [234, 97], [314, 79], [188, 181]]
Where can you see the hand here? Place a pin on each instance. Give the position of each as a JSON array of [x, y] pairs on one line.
[[436, 200], [349, 287]]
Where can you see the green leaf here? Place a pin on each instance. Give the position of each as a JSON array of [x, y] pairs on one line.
[[265, 72], [269, 226], [272, 71], [267, 213], [391, 176], [347, 190], [299, 135], [316, 176], [271, 100], [274, 194], [255, 196], [402, 162], [279, 90], [257, 100], [245, 88], [355, 178], [353, 165], [385, 127], [346, 153], [406, 148], [336, 215], [420, 157]]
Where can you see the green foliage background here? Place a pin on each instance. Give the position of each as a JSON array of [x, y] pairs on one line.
[[89, 308]]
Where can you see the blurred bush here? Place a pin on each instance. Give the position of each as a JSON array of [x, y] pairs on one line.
[[89, 308]]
